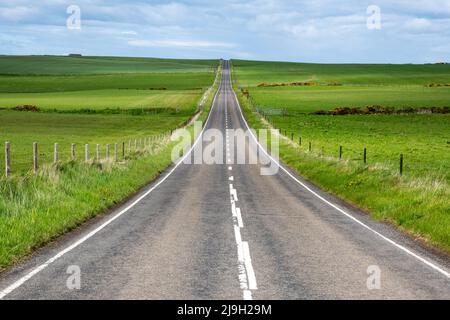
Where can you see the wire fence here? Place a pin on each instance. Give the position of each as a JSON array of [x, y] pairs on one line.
[[20, 158], [402, 163]]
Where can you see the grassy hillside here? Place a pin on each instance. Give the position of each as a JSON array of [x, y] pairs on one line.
[[358, 85], [63, 65], [307, 100], [147, 81], [251, 73], [417, 201]]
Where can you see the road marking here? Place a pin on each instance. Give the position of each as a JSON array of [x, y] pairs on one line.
[[237, 236], [233, 206], [399, 246], [233, 193], [239, 218], [249, 267], [247, 278], [28, 276], [247, 295]]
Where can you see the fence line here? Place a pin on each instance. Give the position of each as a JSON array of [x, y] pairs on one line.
[[52, 154], [341, 150], [266, 117]]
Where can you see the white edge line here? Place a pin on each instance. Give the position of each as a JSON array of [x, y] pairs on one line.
[[238, 238], [239, 218], [247, 295], [249, 267], [38, 269], [399, 246]]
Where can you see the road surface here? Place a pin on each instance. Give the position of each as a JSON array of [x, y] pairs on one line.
[[227, 232]]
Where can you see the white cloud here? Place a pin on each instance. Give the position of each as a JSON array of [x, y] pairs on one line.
[[180, 43], [418, 24], [16, 14], [129, 33], [314, 30]]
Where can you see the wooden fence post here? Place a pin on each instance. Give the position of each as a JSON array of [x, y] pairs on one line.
[[123, 151], [55, 154], [35, 157], [401, 164], [340, 152], [310, 147], [86, 158], [300, 141], [116, 154], [135, 145], [365, 155], [7, 159], [98, 152], [130, 149], [107, 152], [73, 151]]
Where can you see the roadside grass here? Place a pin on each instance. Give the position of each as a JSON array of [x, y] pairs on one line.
[[36, 208], [417, 202]]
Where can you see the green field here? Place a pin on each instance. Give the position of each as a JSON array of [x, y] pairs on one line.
[[397, 86], [94, 100], [147, 81], [310, 99], [424, 139], [100, 83], [56, 65], [252, 73], [418, 201], [80, 129], [105, 99]]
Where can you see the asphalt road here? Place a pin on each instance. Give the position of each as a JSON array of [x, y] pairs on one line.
[[225, 231]]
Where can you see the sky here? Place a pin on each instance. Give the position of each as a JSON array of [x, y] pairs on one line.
[[323, 31]]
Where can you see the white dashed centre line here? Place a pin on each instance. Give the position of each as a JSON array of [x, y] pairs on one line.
[[247, 278]]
